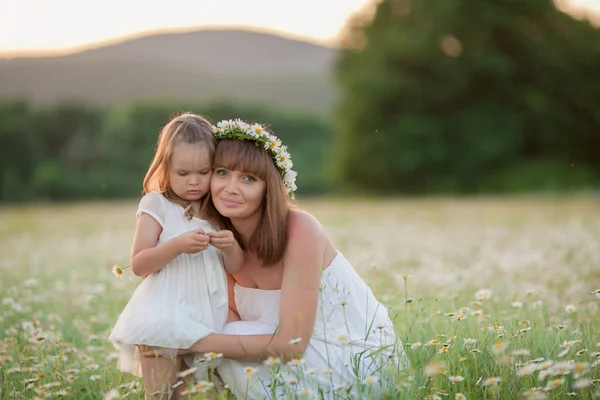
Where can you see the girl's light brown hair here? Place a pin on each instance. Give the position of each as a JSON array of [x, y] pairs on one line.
[[269, 240], [185, 128]]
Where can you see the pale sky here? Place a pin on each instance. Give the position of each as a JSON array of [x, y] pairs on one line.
[[60, 26]]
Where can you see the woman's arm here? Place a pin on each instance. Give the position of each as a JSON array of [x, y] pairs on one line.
[[298, 306], [233, 258], [233, 255]]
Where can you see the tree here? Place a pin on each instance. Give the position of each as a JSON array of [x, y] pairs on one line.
[[462, 96], [19, 149]]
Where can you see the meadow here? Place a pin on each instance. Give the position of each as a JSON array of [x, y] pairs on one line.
[[493, 298]]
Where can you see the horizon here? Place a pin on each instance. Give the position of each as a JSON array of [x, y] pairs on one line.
[[140, 35], [34, 27], [32, 34]]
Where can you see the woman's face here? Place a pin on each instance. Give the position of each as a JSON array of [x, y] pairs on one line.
[[237, 194]]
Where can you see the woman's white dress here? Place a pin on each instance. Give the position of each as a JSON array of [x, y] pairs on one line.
[[353, 341], [179, 304]]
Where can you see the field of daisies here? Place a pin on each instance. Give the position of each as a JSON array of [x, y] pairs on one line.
[[492, 298]]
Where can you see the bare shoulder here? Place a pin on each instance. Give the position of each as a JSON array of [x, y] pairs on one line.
[[307, 236], [303, 224]]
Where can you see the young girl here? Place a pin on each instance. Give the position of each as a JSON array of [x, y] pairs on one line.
[[183, 297]]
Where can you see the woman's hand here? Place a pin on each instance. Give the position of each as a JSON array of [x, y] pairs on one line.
[[222, 240]]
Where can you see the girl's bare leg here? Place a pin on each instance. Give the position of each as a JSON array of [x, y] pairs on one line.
[[160, 374], [187, 383], [214, 393]]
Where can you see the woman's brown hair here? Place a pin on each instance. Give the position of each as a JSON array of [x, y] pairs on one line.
[[185, 128], [269, 240]]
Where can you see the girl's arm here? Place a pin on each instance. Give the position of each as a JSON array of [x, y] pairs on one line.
[[146, 257], [298, 305]]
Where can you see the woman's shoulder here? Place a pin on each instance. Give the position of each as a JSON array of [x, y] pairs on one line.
[[302, 224], [307, 238], [300, 219]]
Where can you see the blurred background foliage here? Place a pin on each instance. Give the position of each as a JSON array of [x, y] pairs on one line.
[[468, 97], [76, 152], [434, 97]]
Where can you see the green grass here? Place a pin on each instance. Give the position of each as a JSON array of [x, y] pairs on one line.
[[537, 256]]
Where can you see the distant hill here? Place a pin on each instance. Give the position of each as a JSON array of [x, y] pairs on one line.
[[198, 66]]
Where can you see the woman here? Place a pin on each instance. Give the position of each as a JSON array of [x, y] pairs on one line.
[[302, 320]]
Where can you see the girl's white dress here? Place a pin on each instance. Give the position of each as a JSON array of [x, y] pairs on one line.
[[179, 304], [353, 344]]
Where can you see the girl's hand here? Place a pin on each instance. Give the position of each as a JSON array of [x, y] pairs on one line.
[[222, 240], [192, 242]]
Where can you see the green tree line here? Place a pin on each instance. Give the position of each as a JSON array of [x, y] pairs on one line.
[[72, 151]]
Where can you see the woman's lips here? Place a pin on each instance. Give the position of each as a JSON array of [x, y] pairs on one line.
[[230, 202]]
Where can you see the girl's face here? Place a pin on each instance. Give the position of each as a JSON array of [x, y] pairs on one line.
[[190, 171], [237, 194]]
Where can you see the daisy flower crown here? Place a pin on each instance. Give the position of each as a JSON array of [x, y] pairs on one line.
[[240, 130]]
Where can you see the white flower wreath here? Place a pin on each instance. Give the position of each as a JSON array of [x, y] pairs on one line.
[[240, 130]]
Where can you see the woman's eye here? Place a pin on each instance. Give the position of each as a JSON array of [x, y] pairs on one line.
[[249, 178], [221, 172]]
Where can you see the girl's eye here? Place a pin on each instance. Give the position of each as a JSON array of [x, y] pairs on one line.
[[182, 173]]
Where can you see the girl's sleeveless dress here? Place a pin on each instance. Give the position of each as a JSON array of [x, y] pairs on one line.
[[353, 341], [181, 303]]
